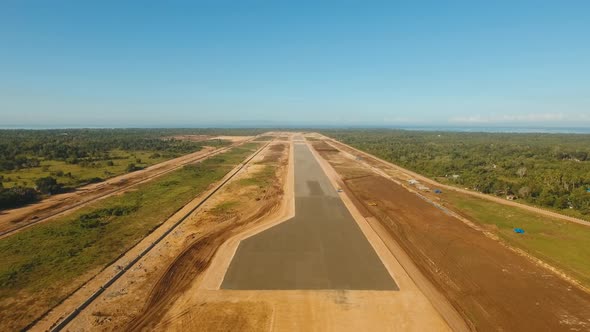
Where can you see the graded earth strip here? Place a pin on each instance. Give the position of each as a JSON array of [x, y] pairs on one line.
[[302, 310]]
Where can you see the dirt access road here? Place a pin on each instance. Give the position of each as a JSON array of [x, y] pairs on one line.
[[14, 220], [490, 285]]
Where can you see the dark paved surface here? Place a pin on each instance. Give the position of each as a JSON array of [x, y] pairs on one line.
[[322, 247]]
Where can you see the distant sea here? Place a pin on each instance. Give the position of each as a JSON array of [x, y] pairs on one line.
[[546, 130]]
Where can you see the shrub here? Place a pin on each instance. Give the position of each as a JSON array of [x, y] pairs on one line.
[[17, 196], [48, 185], [132, 168]]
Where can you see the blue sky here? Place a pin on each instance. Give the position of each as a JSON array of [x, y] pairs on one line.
[[190, 63]]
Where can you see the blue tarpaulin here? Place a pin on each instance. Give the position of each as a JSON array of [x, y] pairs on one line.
[[519, 230], [437, 191]]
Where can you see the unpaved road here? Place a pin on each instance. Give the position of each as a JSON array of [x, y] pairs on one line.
[[493, 287], [14, 220]]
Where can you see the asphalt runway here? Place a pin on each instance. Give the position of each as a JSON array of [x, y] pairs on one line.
[[322, 247]]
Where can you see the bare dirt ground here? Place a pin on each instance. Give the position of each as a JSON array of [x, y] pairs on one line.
[[204, 307], [58, 205], [143, 295], [405, 174], [448, 273], [299, 310], [491, 286], [397, 261], [176, 286]]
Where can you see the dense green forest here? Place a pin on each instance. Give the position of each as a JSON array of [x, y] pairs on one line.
[[44, 157], [549, 170]]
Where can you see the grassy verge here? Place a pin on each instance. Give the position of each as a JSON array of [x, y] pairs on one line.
[[224, 207], [566, 212], [264, 138], [72, 175], [261, 178], [114, 163], [560, 243], [41, 265]]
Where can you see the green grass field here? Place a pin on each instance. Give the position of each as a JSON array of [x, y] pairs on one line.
[[81, 174], [261, 178], [562, 244], [568, 212], [264, 138], [44, 263], [224, 207]]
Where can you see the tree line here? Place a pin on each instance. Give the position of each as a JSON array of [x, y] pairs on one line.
[[20, 149], [25, 148]]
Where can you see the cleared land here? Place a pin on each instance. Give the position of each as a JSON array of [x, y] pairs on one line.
[[176, 286], [560, 243], [145, 293], [492, 286], [454, 257], [41, 265], [205, 307], [553, 238]]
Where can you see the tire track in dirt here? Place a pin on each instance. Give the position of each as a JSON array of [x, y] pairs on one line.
[[491, 286], [191, 263]]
